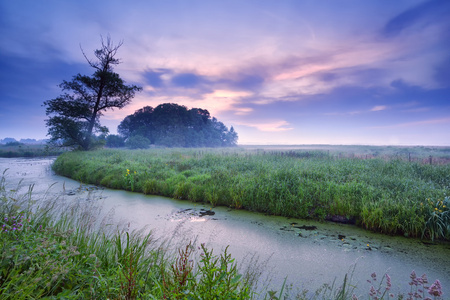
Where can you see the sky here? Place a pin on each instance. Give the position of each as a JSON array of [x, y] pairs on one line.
[[279, 72]]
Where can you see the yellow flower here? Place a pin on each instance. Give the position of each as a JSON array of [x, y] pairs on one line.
[[444, 206], [435, 208]]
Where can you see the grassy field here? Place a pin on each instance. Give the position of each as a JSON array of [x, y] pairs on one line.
[[391, 196], [24, 150]]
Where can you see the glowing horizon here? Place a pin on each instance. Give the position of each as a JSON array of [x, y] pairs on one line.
[[280, 73]]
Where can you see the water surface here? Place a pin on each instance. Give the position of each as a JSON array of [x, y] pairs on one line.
[[307, 253]]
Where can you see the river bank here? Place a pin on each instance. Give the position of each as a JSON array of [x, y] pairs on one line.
[[391, 197], [318, 256]]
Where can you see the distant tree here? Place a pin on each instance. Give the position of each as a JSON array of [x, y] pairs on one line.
[[8, 140], [14, 144], [174, 125], [139, 123], [137, 142], [28, 141], [74, 115], [114, 141]]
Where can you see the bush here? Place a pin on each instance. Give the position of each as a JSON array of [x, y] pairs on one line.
[[137, 142], [114, 141]]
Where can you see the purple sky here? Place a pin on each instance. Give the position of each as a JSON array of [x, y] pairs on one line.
[[279, 72]]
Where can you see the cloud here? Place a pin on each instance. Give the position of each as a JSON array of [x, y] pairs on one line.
[[271, 126], [187, 80], [154, 77], [417, 16], [442, 71], [414, 124], [417, 110], [379, 108]]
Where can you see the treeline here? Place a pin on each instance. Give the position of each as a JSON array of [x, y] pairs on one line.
[[16, 149], [172, 125]]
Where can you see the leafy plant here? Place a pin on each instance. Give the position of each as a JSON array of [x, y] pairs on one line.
[[437, 225]]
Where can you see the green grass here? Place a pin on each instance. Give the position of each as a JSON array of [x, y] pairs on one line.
[[50, 249], [387, 196]]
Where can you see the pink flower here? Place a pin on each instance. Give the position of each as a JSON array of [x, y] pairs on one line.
[[388, 282], [372, 292], [435, 289]]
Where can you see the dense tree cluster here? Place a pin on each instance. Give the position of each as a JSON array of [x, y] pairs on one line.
[[174, 125]]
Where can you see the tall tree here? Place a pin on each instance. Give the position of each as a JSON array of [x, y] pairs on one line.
[[74, 115]]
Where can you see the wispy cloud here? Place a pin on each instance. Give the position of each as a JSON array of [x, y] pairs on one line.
[[417, 110], [379, 108], [414, 124], [357, 112], [271, 126]]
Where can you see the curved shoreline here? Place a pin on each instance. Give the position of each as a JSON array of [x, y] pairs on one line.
[[389, 197]]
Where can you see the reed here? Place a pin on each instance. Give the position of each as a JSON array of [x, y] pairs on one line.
[[56, 250], [51, 249], [381, 195]]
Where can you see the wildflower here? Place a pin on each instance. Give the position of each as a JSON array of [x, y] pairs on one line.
[[435, 289], [413, 277], [388, 282], [372, 292]]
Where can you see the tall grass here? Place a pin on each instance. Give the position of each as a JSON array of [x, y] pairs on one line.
[[392, 197], [62, 251], [55, 250]]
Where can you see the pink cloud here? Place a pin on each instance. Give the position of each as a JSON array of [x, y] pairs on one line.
[[379, 108]]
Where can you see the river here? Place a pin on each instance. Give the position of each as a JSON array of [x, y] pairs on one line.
[[307, 253]]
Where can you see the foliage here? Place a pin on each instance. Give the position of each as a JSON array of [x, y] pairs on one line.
[[173, 125], [137, 142], [74, 115], [379, 195], [61, 251], [437, 218], [55, 250], [114, 141], [130, 178]]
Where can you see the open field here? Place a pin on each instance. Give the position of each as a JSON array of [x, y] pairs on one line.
[[25, 150], [391, 196], [439, 154]]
